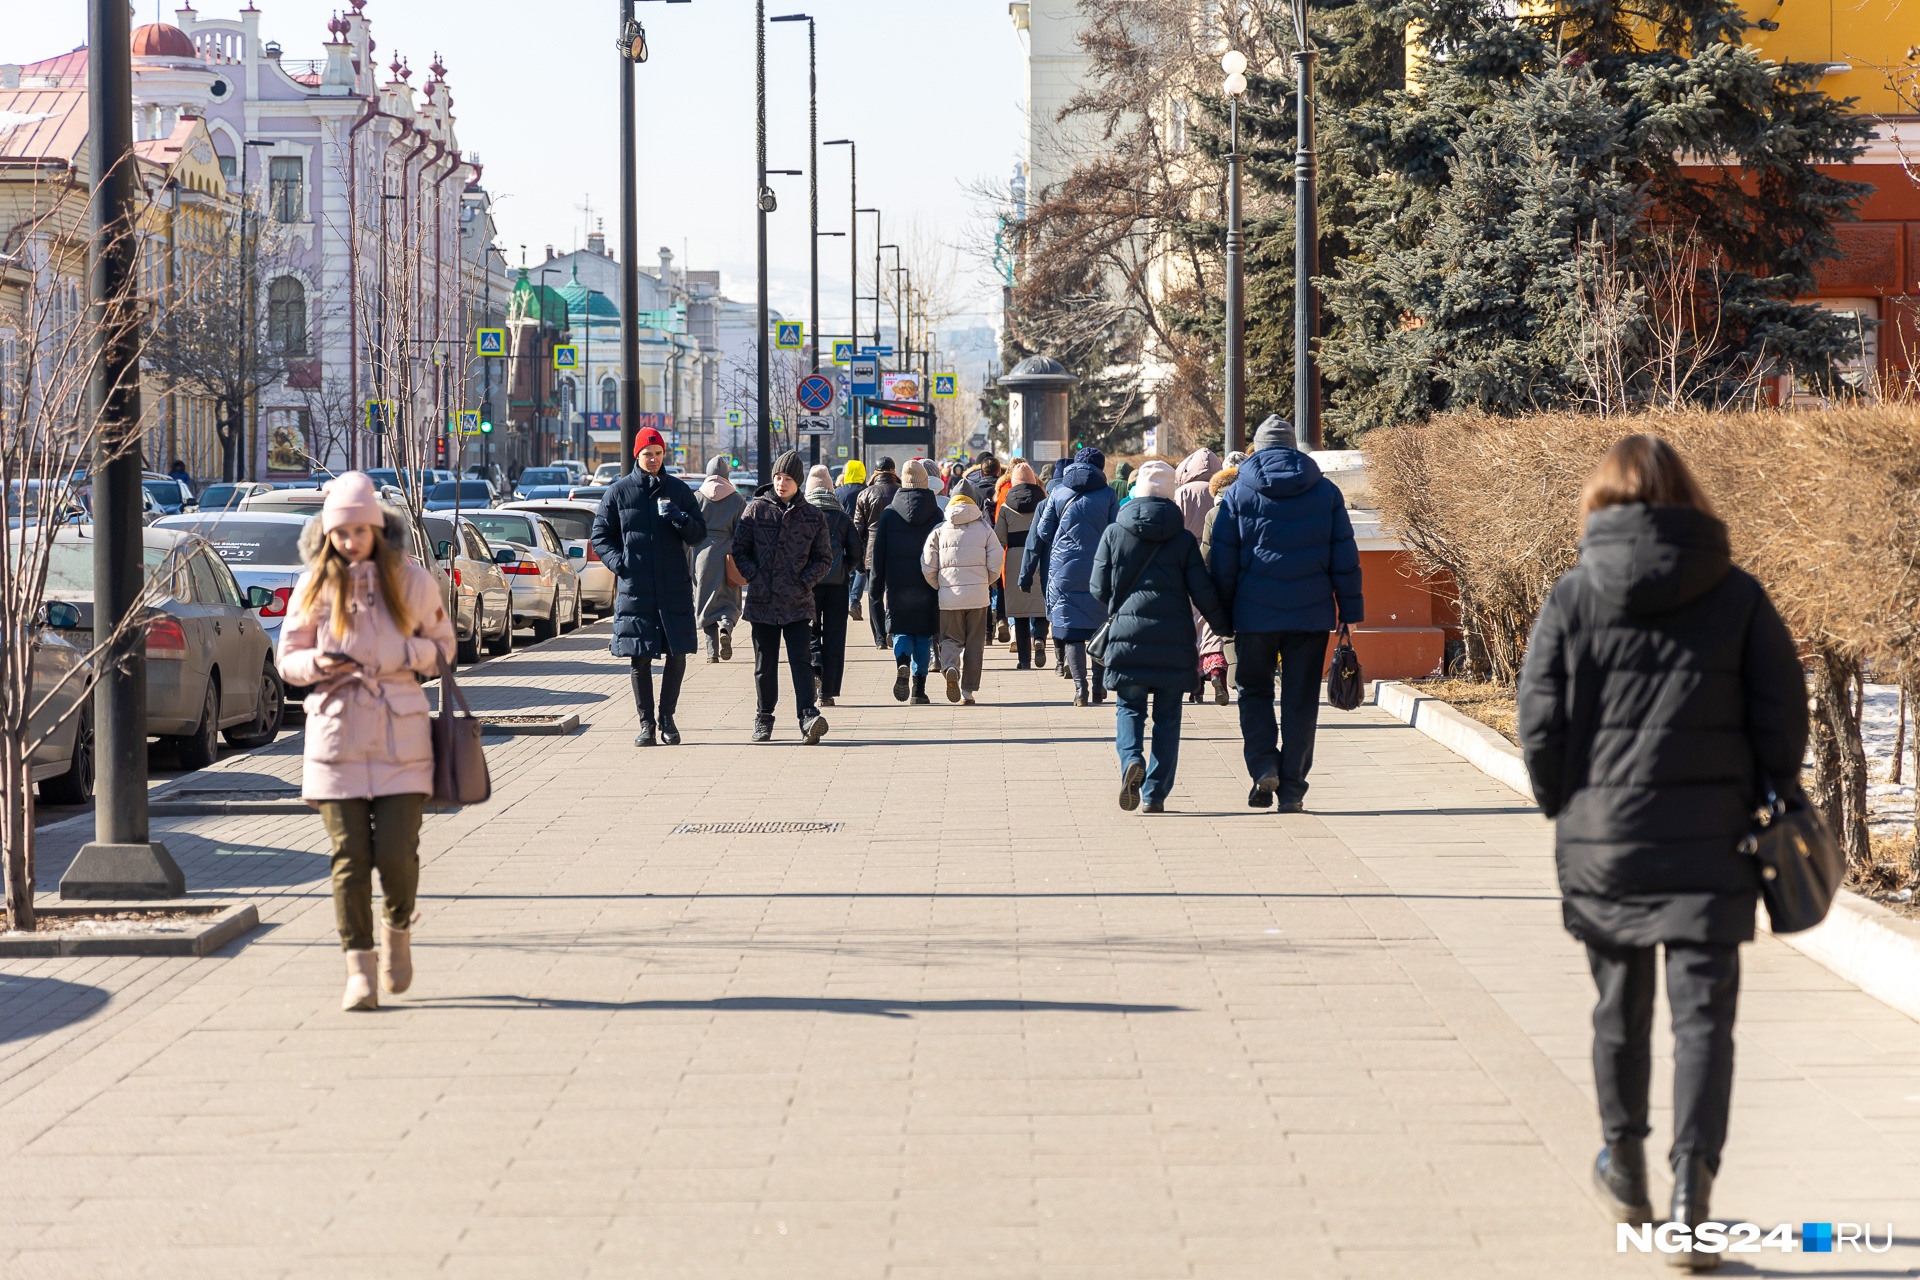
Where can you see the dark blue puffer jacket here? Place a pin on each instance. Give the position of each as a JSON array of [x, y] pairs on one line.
[[1151, 640], [1283, 551], [1060, 548], [653, 609]]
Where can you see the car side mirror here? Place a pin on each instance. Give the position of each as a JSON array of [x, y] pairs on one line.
[[258, 597], [62, 616], [505, 555], [577, 553], [444, 551]]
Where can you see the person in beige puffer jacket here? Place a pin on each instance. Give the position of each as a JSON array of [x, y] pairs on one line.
[[364, 625], [962, 559]]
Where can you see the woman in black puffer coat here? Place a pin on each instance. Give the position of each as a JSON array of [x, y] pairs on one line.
[[1660, 683], [912, 603], [642, 531], [1148, 575]]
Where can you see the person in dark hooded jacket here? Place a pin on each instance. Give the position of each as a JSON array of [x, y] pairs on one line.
[[901, 592], [1660, 690], [829, 649], [1060, 549], [1149, 574], [642, 532], [1284, 560], [873, 500], [1027, 608], [783, 550]]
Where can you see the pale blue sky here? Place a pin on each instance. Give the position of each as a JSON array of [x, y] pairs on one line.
[[932, 90]]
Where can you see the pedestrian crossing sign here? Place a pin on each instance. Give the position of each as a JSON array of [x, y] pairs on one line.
[[379, 414], [566, 356], [736, 417], [843, 353], [490, 342], [469, 422], [789, 335], [945, 386]]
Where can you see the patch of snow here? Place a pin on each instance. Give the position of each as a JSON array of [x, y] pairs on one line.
[[1890, 804]]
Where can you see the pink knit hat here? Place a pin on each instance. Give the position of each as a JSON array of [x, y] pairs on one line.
[[351, 500]]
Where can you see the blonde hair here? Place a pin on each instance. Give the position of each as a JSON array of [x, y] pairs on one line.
[[1643, 469], [330, 578]]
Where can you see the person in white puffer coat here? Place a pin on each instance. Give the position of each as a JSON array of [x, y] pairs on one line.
[[962, 560]]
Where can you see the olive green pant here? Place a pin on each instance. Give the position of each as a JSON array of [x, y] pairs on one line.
[[383, 832]]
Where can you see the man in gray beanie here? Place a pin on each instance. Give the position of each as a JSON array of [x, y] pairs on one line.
[[1275, 433], [783, 550]]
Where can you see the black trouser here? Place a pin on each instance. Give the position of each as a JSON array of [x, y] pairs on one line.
[[1028, 632], [1285, 748], [670, 678], [1703, 988], [828, 640], [877, 613], [766, 667]]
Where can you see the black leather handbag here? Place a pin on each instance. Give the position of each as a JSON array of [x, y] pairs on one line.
[[1800, 862], [1345, 686]]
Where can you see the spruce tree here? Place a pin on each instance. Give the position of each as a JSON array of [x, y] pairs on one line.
[[1668, 81]]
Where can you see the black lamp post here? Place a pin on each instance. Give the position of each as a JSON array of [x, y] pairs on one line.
[[1234, 63], [813, 204], [1306, 245]]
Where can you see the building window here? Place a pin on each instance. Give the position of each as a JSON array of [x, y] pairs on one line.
[[287, 316], [287, 178], [609, 396]]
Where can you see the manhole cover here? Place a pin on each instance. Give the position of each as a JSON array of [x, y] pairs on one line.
[[754, 828]]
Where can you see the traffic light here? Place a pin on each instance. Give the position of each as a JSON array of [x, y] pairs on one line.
[[486, 419], [873, 417]]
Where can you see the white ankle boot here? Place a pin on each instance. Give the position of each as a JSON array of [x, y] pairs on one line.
[[396, 958], [360, 993]]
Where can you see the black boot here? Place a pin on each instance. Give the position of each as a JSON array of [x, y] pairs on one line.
[[713, 643], [900, 679], [1620, 1175], [763, 728], [1692, 1188], [920, 698], [643, 703]]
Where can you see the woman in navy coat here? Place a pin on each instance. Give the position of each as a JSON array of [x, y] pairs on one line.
[[1060, 549]]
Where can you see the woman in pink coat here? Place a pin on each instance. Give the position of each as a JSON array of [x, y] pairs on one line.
[[363, 627], [1195, 497]]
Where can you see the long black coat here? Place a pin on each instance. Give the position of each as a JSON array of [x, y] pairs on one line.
[[1150, 635], [653, 609], [846, 553], [899, 536], [782, 550], [867, 509], [1658, 683]]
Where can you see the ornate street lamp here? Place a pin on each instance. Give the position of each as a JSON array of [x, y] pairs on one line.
[[1234, 63]]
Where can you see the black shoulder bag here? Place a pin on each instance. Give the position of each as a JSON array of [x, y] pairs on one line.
[[1345, 685], [1800, 862], [1097, 644]]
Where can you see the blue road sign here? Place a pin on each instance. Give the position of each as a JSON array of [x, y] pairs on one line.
[[865, 375], [815, 393], [885, 353], [842, 352]]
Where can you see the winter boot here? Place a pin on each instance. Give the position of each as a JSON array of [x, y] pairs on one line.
[[1039, 655], [853, 611], [763, 728], [713, 643], [1692, 1186], [1261, 797], [1097, 682], [1131, 777], [966, 698], [669, 731], [1219, 681], [813, 728], [642, 682], [360, 993], [396, 958], [1620, 1176], [920, 698], [900, 676], [1000, 632], [953, 684], [726, 644]]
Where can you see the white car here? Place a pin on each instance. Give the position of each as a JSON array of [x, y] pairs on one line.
[[572, 519], [546, 591], [607, 473], [262, 548]]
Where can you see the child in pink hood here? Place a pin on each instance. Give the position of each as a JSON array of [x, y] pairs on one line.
[[364, 625]]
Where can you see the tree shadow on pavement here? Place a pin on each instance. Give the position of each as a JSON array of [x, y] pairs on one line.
[[799, 1004], [35, 1006]]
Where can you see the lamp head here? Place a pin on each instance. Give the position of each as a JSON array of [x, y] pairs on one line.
[[1233, 62], [1235, 86]]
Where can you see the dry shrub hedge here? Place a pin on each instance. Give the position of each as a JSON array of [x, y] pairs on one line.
[[1823, 507]]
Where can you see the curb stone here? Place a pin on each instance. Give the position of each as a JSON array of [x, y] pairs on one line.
[[1859, 941]]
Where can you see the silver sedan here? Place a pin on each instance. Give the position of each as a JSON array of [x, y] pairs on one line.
[[572, 519], [546, 591]]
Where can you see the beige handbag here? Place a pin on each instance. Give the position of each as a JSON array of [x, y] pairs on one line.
[[459, 762]]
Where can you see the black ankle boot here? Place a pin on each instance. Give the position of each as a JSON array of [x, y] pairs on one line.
[[1692, 1189], [920, 698], [669, 731], [1620, 1174]]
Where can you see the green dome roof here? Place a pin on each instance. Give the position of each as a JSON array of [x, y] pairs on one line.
[[586, 304]]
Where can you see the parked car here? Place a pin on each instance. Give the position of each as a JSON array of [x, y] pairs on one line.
[[534, 477], [28, 499], [262, 548], [488, 471], [469, 495], [577, 467], [169, 494], [227, 497], [572, 519], [546, 591], [482, 598], [310, 500], [210, 663], [62, 721], [608, 472]]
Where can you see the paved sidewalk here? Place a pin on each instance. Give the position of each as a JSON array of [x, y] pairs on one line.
[[991, 1026]]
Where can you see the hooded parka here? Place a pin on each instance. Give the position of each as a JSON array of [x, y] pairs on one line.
[[1062, 543], [647, 552], [846, 552], [1283, 552], [1012, 526], [1150, 640], [899, 538], [962, 558], [1658, 683], [873, 500]]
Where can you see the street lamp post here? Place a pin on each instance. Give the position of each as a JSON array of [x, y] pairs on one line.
[[764, 203], [1234, 63], [1306, 251], [122, 861], [813, 204]]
